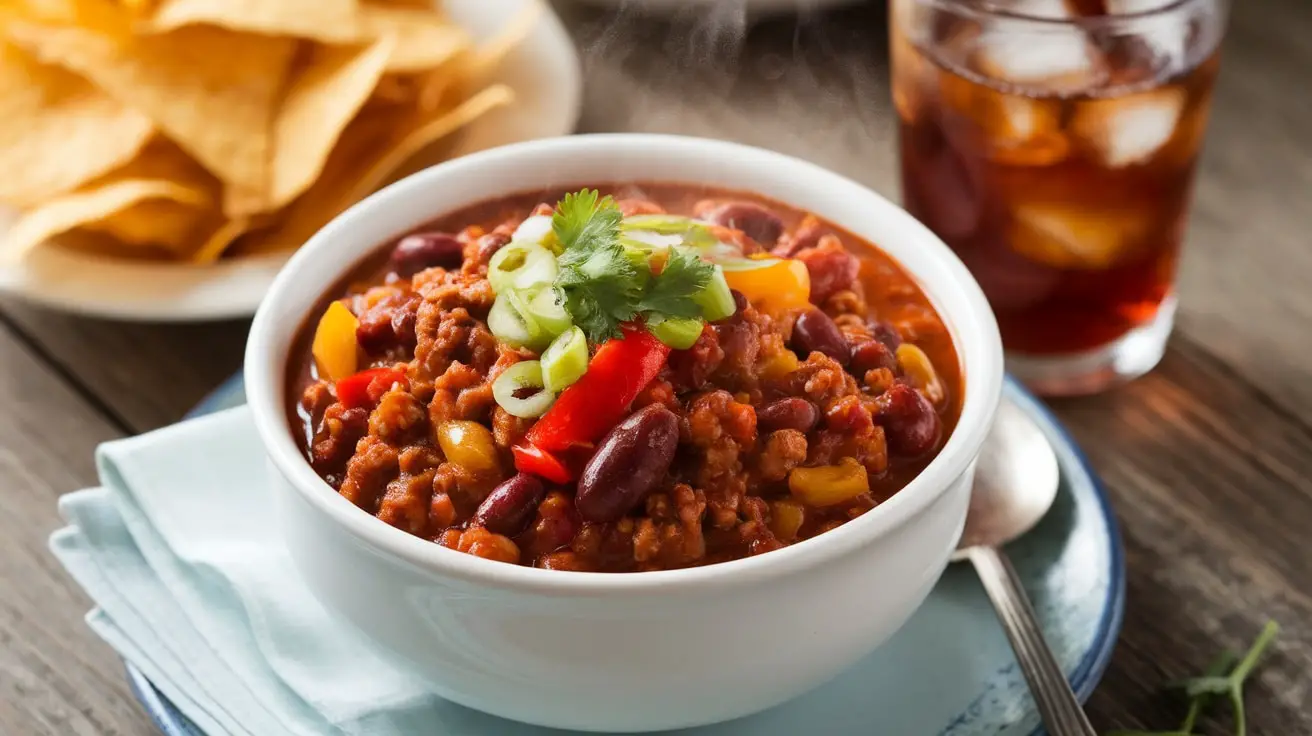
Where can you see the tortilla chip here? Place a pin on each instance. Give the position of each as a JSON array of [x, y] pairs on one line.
[[424, 39], [331, 21], [210, 90], [100, 16], [371, 149], [161, 158], [489, 55], [57, 131], [421, 131], [88, 207], [327, 91], [452, 80], [219, 240], [161, 222]]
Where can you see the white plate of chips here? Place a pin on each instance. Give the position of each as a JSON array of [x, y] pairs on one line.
[[163, 161]]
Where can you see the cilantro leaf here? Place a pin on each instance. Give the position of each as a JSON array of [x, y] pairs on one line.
[[597, 282], [670, 293], [606, 279], [600, 291], [584, 221]]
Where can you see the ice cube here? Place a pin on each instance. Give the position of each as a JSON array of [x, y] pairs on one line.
[[1165, 34], [1058, 60], [1129, 130], [1064, 235], [1014, 129]]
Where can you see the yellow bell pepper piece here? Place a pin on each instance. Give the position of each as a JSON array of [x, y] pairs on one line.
[[782, 285], [786, 519], [919, 370], [469, 445], [829, 484], [779, 365], [335, 347]]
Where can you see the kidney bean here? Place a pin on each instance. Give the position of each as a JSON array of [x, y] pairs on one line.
[[910, 423], [871, 354], [489, 244], [628, 464], [419, 251], [757, 222], [509, 507], [790, 413], [814, 331], [885, 333]]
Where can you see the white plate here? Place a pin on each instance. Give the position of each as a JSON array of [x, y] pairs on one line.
[[545, 74]]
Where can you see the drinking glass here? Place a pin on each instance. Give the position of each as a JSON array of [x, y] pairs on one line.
[[1052, 144]]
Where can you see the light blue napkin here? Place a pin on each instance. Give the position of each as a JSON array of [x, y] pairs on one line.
[[179, 551]]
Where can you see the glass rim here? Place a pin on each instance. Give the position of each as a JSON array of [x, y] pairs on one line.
[[988, 10]]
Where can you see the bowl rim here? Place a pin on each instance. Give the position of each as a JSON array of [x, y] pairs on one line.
[[975, 336]]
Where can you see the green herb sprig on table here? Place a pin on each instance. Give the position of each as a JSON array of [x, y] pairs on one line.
[[599, 283], [1215, 682]]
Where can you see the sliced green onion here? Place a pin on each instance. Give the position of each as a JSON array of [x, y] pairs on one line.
[[507, 325], [519, 390], [679, 333], [716, 300], [641, 256], [565, 360], [540, 308], [664, 224], [693, 232], [720, 252], [520, 266], [653, 239], [533, 229], [745, 264]]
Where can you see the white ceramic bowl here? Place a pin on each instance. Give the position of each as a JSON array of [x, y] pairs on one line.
[[639, 651]]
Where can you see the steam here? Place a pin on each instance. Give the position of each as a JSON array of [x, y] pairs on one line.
[[812, 84]]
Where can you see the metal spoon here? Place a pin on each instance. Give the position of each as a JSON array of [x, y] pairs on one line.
[[1015, 484]]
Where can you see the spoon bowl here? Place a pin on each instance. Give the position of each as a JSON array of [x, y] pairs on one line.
[[1016, 482]]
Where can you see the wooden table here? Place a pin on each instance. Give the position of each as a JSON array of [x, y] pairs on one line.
[[1209, 458]]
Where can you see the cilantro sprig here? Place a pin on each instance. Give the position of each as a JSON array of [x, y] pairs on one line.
[[1215, 682], [602, 284]]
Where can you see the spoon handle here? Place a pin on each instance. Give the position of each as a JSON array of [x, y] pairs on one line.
[[1062, 714]]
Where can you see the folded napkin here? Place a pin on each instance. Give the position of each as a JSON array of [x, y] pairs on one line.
[[193, 586]]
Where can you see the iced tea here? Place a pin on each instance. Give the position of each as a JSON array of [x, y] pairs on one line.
[[1055, 153]]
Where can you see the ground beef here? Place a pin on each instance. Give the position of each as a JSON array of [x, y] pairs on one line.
[[833, 268], [368, 472], [784, 450]]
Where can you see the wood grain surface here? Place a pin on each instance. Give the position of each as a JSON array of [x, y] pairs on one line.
[[1209, 458]]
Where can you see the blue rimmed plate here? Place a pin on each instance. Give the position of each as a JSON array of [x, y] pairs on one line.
[[950, 670]]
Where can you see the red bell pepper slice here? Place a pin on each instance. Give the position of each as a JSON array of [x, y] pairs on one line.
[[588, 409], [365, 388], [539, 462], [585, 411]]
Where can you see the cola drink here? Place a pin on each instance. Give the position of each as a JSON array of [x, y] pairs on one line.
[[1053, 146]]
